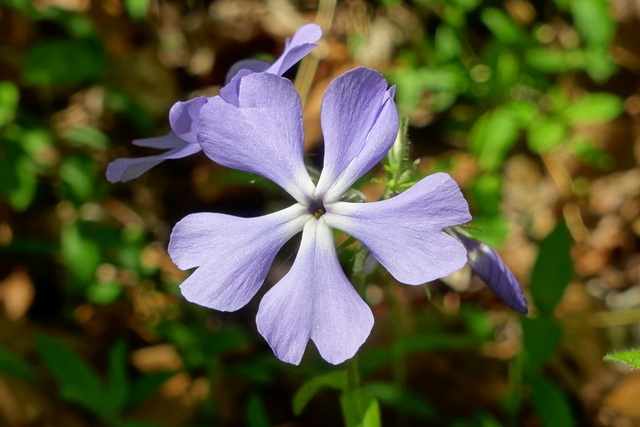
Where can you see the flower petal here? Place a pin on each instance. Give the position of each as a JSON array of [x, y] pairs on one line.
[[164, 142], [296, 48], [233, 254], [262, 135], [405, 233], [129, 168], [314, 301], [255, 65], [488, 265], [184, 118], [359, 123]]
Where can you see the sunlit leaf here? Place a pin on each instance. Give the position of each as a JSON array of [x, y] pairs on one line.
[[492, 136], [335, 380], [9, 97], [594, 21], [594, 108], [502, 25], [631, 357], [546, 134], [80, 252]]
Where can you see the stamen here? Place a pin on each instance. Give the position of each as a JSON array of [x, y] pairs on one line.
[[316, 208]]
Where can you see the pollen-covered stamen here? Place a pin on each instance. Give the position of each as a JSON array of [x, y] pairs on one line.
[[316, 208]]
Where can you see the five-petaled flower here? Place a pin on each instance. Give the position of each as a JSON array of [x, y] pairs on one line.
[[181, 141], [259, 129]]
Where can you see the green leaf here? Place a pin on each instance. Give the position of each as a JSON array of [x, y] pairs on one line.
[[502, 26], [80, 252], [492, 136], [77, 381], [540, 338], [103, 293], [360, 409], [88, 136], [137, 9], [630, 357], [550, 403], [335, 379], [594, 21], [78, 176], [118, 385], [64, 62], [9, 98], [11, 364], [447, 42], [255, 412], [594, 108], [17, 174], [402, 399], [551, 60], [552, 270], [546, 134], [146, 386]]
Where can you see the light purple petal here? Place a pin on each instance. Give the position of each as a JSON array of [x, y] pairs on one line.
[[233, 254], [263, 135], [184, 118], [129, 168], [296, 48], [164, 142], [314, 301], [359, 123], [255, 65], [230, 92], [405, 233], [488, 265]]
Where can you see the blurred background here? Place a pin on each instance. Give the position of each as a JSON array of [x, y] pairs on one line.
[[533, 106]]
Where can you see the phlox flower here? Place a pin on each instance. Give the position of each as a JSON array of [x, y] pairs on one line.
[[488, 265], [181, 141], [261, 132]]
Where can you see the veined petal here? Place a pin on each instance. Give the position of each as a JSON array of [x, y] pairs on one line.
[[405, 233], [296, 48], [314, 301], [263, 134], [233, 254], [359, 123], [164, 142], [184, 118], [488, 265], [129, 168]]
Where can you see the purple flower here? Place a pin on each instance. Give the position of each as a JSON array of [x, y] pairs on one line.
[[488, 265], [262, 133], [183, 117]]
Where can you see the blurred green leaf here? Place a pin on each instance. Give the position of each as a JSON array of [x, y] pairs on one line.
[[11, 364], [77, 381], [552, 60], [599, 63], [255, 412], [335, 379], [64, 62], [550, 403], [78, 175], [137, 9], [486, 193], [585, 149], [546, 134], [594, 108], [594, 22], [540, 338], [88, 136], [552, 270], [146, 386], [103, 293], [502, 26], [402, 399], [360, 409], [18, 176], [9, 98], [447, 42], [118, 384], [492, 136], [631, 357], [80, 252]]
